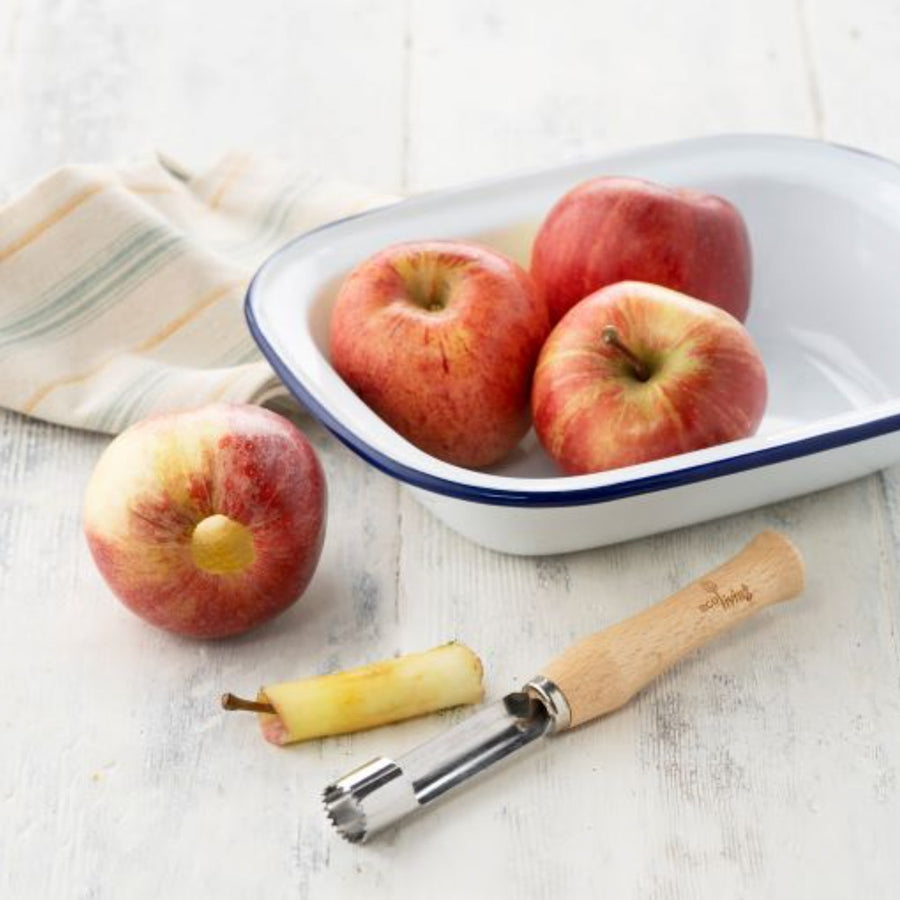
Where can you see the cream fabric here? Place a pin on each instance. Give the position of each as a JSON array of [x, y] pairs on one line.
[[121, 290]]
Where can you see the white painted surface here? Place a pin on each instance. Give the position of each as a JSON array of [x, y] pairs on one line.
[[766, 765]]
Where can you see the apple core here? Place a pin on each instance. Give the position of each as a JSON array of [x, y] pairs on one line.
[[221, 546]]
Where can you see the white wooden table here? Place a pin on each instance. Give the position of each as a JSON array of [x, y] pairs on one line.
[[766, 765]]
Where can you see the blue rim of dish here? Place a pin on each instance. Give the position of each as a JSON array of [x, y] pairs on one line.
[[575, 496]]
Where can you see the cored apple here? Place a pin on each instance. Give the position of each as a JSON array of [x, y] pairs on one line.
[[623, 229], [637, 372], [440, 339], [210, 521]]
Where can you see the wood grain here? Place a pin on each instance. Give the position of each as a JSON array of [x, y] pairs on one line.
[[767, 763], [603, 671]]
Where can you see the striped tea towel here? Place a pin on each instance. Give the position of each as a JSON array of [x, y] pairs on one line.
[[121, 290]]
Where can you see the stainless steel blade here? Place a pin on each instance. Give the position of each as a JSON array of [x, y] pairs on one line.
[[381, 792]]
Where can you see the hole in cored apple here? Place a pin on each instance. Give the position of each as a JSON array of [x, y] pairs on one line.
[[222, 546]]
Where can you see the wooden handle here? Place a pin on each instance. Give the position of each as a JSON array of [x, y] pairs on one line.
[[602, 672]]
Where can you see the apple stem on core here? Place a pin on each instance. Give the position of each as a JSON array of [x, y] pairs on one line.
[[611, 338], [229, 701]]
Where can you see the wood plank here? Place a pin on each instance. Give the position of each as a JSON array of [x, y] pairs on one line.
[[104, 80], [854, 53], [491, 93], [854, 50]]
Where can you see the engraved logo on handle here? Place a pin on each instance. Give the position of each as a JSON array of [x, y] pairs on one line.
[[726, 600]]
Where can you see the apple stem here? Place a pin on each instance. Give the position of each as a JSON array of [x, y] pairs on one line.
[[229, 701], [611, 339]]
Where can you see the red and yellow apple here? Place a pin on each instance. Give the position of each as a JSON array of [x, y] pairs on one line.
[[440, 339], [207, 522], [637, 372], [613, 229]]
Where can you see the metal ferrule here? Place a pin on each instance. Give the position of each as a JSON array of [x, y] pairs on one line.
[[554, 701], [383, 791]]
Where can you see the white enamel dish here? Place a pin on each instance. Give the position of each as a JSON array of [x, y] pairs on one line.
[[824, 222]]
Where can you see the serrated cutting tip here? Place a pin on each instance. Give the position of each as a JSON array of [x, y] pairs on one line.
[[344, 813], [368, 799]]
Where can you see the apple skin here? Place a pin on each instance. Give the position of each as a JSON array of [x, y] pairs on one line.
[[209, 521], [592, 413], [440, 339], [612, 229]]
